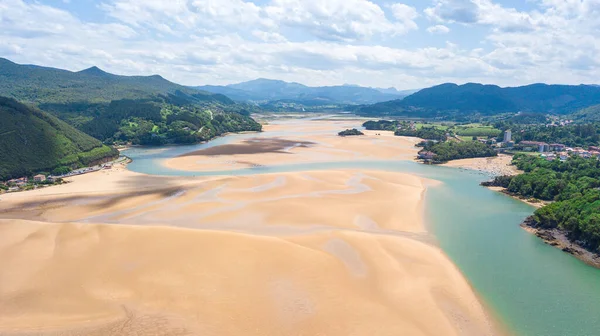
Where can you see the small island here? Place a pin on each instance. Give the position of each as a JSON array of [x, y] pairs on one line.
[[350, 132]]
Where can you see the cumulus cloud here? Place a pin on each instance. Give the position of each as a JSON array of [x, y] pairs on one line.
[[312, 41], [269, 36], [438, 29], [484, 12]]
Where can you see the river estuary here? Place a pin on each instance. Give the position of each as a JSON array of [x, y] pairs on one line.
[[530, 287]]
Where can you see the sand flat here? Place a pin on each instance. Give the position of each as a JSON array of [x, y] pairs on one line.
[[342, 252], [256, 268], [320, 143]]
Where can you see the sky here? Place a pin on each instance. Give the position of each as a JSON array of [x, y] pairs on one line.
[[406, 44]]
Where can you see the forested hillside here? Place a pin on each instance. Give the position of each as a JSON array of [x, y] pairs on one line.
[[155, 121], [33, 141], [453, 101], [572, 184], [588, 114], [42, 85], [126, 109]]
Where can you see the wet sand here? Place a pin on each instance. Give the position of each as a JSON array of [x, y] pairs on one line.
[[320, 144], [252, 146], [340, 252]]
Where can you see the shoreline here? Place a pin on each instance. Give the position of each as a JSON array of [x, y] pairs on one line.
[[553, 237], [532, 202], [558, 239]]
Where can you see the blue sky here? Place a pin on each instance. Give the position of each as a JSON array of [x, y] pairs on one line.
[[404, 44]]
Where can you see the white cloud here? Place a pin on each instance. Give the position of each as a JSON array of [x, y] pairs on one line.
[[312, 41], [344, 20], [438, 29], [483, 12], [404, 12], [269, 36]]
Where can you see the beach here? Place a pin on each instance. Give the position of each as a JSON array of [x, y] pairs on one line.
[[499, 165], [319, 252]]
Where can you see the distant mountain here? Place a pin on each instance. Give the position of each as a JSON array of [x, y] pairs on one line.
[[267, 90], [40, 85], [32, 141], [394, 91], [448, 100]]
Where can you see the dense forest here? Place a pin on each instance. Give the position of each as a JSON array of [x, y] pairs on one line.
[[455, 150], [572, 184], [381, 125], [155, 121], [32, 141]]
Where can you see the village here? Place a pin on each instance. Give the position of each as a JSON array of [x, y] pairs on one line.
[[45, 180], [548, 151]]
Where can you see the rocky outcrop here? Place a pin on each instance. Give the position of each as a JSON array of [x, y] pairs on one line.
[[559, 239]]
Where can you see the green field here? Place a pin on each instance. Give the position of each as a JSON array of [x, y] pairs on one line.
[[477, 130], [440, 126], [465, 138]]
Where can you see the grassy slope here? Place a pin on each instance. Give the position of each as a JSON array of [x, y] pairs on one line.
[[32, 141]]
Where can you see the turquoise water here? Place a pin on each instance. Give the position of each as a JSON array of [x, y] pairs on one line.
[[534, 289]]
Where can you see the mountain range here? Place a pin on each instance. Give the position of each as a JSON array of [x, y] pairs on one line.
[[44, 85], [147, 110], [452, 100], [268, 90]]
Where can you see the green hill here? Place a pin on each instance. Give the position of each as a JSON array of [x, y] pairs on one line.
[[42, 85], [588, 114], [147, 110], [451, 100], [33, 141]]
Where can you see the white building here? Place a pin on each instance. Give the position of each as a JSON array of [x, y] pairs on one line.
[[507, 136]]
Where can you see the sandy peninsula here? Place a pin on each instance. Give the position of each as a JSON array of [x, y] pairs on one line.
[[341, 252]]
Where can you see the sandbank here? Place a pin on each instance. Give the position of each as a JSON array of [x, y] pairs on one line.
[[317, 142], [324, 252], [340, 252]]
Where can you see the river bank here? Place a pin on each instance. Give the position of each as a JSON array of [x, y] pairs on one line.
[[529, 201], [559, 239]]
